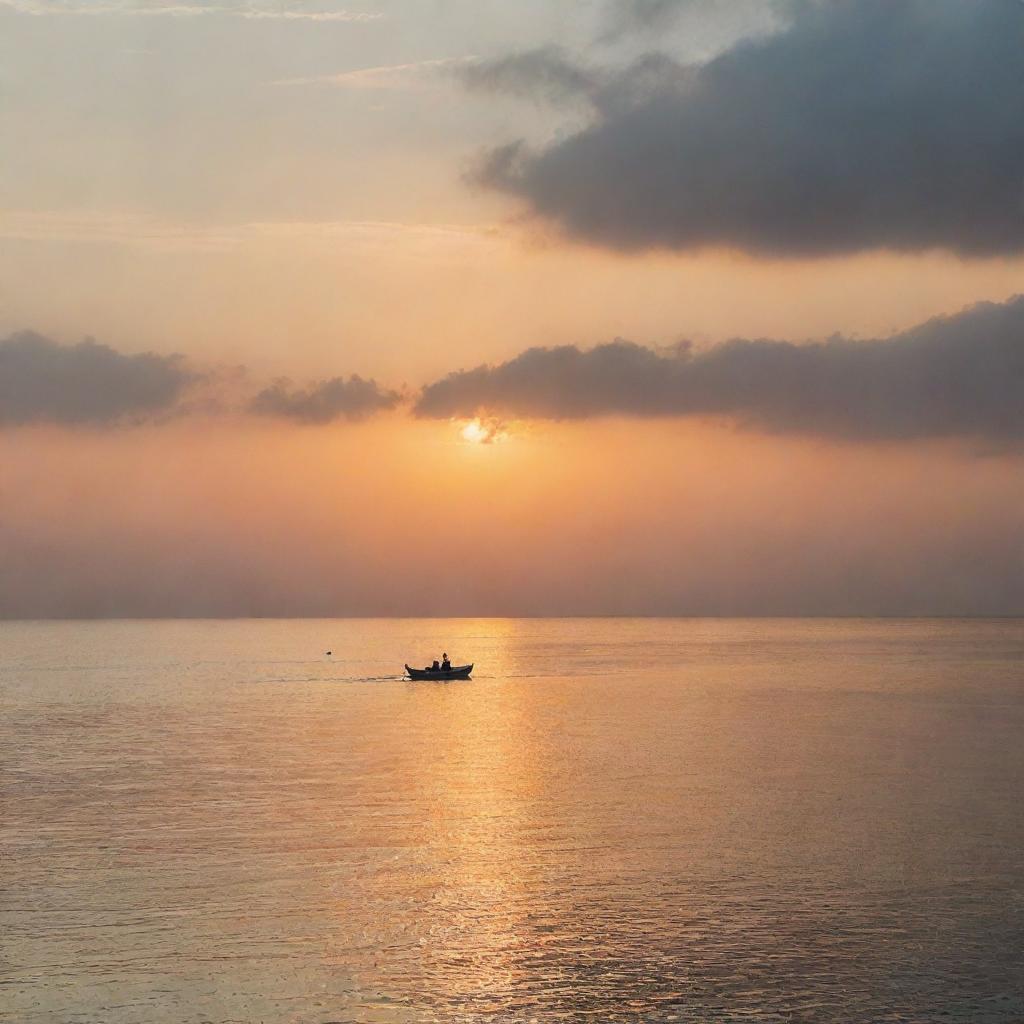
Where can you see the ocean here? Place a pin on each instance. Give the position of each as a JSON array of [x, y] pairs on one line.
[[613, 820]]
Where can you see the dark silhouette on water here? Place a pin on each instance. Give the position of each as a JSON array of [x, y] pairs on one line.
[[445, 670]]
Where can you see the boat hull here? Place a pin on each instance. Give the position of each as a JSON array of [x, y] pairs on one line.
[[455, 672]]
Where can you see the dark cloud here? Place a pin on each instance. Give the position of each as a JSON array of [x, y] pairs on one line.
[[42, 381], [961, 376], [861, 124], [338, 398]]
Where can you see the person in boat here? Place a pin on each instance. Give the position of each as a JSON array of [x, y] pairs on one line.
[[446, 665], [435, 667]]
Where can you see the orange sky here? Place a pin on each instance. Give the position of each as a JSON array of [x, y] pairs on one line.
[[222, 185], [614, 518]]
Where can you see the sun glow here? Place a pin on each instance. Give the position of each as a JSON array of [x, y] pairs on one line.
[[478, 431], [474, 432]]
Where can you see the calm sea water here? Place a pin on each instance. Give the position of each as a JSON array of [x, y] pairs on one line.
[[614, 820]]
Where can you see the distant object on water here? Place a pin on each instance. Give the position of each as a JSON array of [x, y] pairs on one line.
[[452, 672]]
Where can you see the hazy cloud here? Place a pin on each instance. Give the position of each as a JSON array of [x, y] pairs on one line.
[[44, 382], [553, 76], [338, 398], [632, 15], [860, 124], [548, 73], [961, 376]]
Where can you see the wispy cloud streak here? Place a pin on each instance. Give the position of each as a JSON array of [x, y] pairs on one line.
[[249, 11], [386, 76]]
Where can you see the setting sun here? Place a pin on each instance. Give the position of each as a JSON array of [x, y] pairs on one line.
[[475, 432], [478, 432]]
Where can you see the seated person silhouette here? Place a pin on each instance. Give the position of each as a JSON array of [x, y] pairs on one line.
[[446, 664]]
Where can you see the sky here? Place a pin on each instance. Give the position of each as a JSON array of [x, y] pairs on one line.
[[464, 307]]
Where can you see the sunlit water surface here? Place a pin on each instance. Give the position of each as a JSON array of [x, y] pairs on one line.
[[614, 820]]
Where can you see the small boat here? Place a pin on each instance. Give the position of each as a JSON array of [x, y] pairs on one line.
[[455, 672]]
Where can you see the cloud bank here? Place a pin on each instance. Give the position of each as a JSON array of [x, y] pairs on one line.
[[89, 383], [861, 124], [324, 402], [952, 377], [961, 376]]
